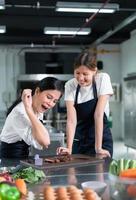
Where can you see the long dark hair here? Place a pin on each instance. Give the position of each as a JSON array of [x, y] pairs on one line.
[[48, 83]]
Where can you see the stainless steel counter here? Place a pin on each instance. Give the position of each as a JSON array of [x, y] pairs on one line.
[[70, 175]]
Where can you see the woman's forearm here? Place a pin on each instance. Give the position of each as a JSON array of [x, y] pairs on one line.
[[98, 132], [99, 137], [71, 124], [98, 117], [70, 132], [39, 132]]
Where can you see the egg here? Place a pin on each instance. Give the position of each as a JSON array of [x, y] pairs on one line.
[[76, 196], [90, 194], [71, 188], [61, 192], [49, 193]]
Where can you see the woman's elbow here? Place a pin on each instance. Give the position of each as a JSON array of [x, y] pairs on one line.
[[44, 142], [98, 115], [71, 122]]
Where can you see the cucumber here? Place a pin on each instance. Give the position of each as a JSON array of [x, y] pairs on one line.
[[127, 164], [120, 165], [113, 167], [116, 166], [132, 164]]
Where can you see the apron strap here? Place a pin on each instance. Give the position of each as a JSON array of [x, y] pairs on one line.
[[77, 91], [94, 90]]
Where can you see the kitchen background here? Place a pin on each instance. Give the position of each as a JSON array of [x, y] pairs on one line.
[[118, 64], [20, 64]]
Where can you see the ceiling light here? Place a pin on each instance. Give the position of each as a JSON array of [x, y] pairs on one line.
[[66, 31], [2, 4], [2, 29], [86, 7]]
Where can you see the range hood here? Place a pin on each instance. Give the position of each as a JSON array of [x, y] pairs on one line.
[[38, 77]]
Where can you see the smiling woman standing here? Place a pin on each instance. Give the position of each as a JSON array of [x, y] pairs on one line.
[[23, 127], [87, 101]]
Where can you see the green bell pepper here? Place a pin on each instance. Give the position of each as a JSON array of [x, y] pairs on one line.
[[9, 192]]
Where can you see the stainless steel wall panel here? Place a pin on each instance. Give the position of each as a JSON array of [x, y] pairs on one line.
[[130, 112]]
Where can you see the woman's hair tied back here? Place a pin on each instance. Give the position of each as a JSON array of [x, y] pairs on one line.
[[86, 58]]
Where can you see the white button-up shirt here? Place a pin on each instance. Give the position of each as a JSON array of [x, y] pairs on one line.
[[18, 127]]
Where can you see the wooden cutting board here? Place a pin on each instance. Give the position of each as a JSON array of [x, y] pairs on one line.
[[77, 160]]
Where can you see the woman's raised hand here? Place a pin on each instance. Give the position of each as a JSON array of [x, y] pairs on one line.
[[27, 98]]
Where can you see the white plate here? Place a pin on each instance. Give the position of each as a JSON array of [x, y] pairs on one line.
[[97, 186]]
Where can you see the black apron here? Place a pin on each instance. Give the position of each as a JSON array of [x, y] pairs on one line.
[[14, 150], [84, 140]]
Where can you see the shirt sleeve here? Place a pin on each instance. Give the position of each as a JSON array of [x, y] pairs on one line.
[[104, 86], [24, 129], [69, 91]]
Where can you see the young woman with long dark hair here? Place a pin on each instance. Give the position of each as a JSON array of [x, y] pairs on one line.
[[23, 127]]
